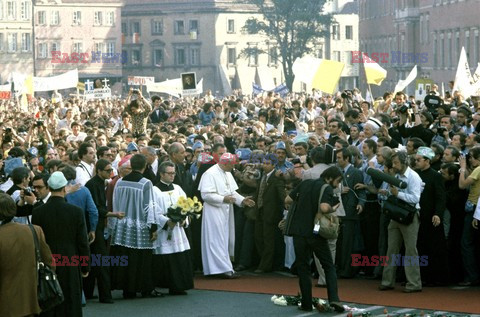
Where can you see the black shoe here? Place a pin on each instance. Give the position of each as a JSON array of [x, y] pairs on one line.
[[338, 307], [385, 288], [321, 285], [106, 301]]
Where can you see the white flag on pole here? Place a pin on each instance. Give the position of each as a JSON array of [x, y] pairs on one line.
[[402, 84]]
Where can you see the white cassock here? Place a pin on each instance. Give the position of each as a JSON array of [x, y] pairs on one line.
[[179, 241], [218, 226]]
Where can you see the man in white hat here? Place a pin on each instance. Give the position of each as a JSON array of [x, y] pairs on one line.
[[219, 192]]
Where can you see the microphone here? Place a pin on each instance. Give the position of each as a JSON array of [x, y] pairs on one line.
[[386, 178]]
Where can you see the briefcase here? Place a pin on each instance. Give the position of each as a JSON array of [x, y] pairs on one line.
[[399, 210]]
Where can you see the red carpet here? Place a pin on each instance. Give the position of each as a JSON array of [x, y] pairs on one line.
[[356, 291]]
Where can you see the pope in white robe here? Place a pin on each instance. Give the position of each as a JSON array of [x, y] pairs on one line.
[[218, 189]]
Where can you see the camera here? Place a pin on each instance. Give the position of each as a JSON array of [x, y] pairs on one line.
[[27, 191], [296, 161], [39, 123], [234, 117], [441, 131], [347, 94], [135, 91], [288, 111], [249, 130]]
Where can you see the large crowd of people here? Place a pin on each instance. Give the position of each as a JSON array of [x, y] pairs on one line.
[[98, 177]]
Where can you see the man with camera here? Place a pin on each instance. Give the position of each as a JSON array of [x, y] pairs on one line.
[[140, 110], [423, 120], [401, 233]]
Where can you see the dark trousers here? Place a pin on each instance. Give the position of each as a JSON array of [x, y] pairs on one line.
[[244, 238], [303, 252], [370, 224], [265, 241], [100, 272], [345, 248], [468, 250]]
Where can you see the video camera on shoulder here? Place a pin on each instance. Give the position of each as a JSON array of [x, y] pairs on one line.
[[404, 108]]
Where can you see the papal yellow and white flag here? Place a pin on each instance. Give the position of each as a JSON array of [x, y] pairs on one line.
[[374, 72], [321, 74]]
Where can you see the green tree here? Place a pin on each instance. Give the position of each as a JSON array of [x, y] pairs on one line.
[[295, 25]]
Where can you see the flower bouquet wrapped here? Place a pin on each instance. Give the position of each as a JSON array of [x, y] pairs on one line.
[[185, 207]]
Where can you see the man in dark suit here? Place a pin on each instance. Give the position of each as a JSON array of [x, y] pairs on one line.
[[151, 172], [305, 242], [66, 234], [158, 114], [183, 178], [353, 203], [269, 197]]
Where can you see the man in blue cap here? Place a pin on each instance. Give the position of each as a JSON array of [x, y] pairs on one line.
[[282, 164]]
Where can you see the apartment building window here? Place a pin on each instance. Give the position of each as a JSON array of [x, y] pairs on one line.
[[42, 50], [335, 32], [42, 17], [77, 47], [99, 47], [1, 42], [26, 9], [158, 57], [157, 27], [336, 56], [55, 18], [77, 18], [110, 47], [253, 57], [55, 47], [136, 27], [110, 18], [136, 57], [26, 42], [179, 27], [11, 10], [12, 42], [180, 58], [1, 9], [194, 26], [272, 56], [232, 56], [230, 26], [349, 32], [98, 18], [124, 28], [194, 56]]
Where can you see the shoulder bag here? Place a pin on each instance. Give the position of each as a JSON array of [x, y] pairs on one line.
[[49, 291], [329, 224], [399, 210]]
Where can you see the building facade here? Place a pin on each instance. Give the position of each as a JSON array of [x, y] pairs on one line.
[[15, 38], [427, 33], [86, 35]]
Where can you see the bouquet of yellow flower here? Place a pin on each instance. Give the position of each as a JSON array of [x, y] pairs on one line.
[[185, 207]]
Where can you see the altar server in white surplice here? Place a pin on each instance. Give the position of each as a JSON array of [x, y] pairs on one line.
[[218, 189], [172, 259]]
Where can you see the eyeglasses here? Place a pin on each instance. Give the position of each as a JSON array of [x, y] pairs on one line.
[[109, 170]]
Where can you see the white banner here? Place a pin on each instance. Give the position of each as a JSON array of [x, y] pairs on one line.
[[402, 84], [140, 80], [5, 87], [99, 93], [463, 78], [64, 81]]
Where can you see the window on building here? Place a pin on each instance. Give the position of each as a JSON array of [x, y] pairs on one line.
[[136, 57], [124, 28], [232, 56], [77, 47], [335, 32], [230, 26], [42, 50], [435, 52], [467, 43], [12, 42], [194, 26], [26, 10], [272, 56], [157, 27], [158, 57], [42, 17], [1, 10], [110, 18], [336, 56], [349, 32], [77, 18], [98, 18], [110, 49], [55, 47], [26, 42], [194, 56], [180, 57], [99, 47], [136, 27], [253, 56], [348, 57], [2, 39], [11, 10], [179, 27], [55, 18], [442, 51]]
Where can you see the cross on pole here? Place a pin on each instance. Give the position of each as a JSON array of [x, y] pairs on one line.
[[105, 82], [88, 85]]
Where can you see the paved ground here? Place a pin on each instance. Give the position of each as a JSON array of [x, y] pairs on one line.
[[200, 303]]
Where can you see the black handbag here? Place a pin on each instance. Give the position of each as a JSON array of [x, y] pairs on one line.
[[49, 291], [399, 210]]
